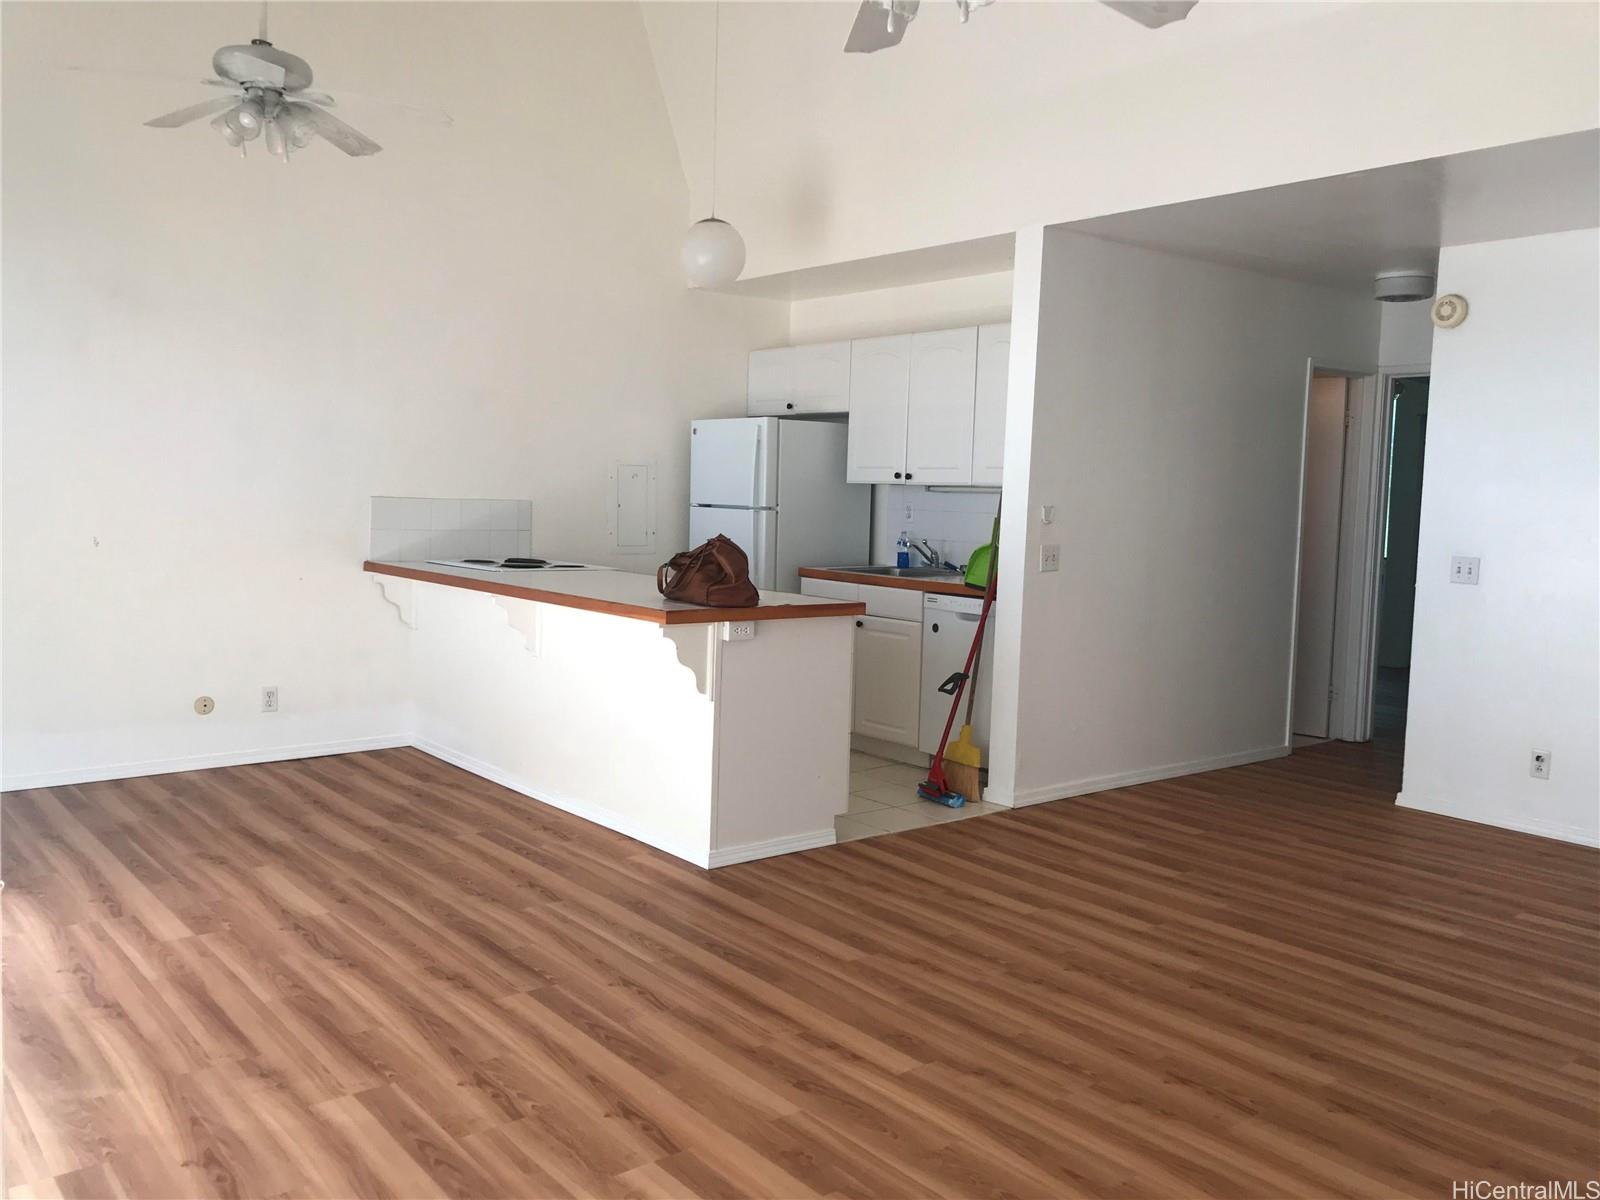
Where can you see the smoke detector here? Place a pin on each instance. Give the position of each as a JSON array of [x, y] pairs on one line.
[[1399, 287]]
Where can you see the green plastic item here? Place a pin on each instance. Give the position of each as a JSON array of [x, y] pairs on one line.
[[982, 560]]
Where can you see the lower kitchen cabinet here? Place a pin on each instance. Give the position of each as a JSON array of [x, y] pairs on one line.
[[888, 658], [888, 679]]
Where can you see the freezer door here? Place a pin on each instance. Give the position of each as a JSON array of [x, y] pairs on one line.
[[753, 530], [733, 462]]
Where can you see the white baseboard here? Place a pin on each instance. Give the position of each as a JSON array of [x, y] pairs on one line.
[[698, 855], [1549, 829], [772, 847], [1023, 797], [196, 762]]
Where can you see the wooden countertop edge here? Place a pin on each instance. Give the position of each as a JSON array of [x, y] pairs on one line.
[[941, 586], [615, 608]]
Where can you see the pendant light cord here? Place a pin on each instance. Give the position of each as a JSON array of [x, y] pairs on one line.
[[716, 96]]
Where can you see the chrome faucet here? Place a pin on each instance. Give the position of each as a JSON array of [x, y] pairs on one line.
[[920, 545]]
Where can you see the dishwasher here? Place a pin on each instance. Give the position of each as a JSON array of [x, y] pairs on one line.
[[948, 623]]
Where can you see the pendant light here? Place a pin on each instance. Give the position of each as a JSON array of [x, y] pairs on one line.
[[713, 251]]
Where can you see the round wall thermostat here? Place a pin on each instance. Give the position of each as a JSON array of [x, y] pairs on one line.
[[1449, 311]]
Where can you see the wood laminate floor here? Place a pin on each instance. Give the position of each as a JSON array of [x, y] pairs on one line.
[[374, 975]]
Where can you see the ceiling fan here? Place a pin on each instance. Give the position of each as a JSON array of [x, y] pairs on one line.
[[269, 101], [882, 23]]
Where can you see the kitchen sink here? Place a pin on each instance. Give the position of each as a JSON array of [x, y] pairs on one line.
[[904, 572]]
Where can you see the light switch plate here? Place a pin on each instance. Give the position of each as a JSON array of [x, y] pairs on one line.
[[1464, 570]]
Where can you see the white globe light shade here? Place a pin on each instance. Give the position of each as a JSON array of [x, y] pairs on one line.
[[713, 253]]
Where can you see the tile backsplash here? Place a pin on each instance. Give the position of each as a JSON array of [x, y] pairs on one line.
[[417, 528], [954, 523]]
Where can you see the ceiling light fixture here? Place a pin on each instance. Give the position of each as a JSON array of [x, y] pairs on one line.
[[1402, 287], [713, 251]]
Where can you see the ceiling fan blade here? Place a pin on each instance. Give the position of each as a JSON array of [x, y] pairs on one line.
[[194, 112], [351, 141], [1152, 14], [879, 26], [312, 97]]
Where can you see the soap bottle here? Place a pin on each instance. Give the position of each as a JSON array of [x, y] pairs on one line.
[[902, 550]]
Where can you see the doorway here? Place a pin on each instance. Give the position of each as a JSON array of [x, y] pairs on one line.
[[1397, 571], [1321, 510]]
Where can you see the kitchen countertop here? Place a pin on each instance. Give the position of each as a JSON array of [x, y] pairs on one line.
[[951, 586], [619, 593]]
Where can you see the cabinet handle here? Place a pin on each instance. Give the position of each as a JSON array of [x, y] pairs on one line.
[[908, 474], [897, 474], [859, 624], [936, 627], [788, 405]]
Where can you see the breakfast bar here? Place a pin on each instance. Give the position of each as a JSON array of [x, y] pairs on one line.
[[716, 735]]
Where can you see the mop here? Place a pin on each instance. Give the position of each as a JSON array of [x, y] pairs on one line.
[[936, 787]]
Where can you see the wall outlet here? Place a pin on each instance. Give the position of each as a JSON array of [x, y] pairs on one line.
[[269, 699], [1049, 558], [1464, 570], [1539, 764], [738, 631]]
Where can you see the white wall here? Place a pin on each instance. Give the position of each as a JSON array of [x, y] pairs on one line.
[[942, 304], [1166, 400], [1405, 338], [1510, 475], [1040, 113], [211, 364]]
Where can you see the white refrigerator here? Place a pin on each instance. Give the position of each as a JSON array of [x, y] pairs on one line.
[[775, 487]]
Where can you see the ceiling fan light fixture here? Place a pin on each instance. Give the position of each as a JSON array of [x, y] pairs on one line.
[[274, 140], [229, 135]]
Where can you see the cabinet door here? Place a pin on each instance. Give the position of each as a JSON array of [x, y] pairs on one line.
[[888, 674], [944, 368], [769, 389], [822, 378], [989, 415], [880, 379]]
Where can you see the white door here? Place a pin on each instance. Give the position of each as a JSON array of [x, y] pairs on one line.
[[880, 380], [1319, 555], [888, 671], [733, 462], [769, 387], [822, 378], [989, 413], [753, 530], [944, 368]]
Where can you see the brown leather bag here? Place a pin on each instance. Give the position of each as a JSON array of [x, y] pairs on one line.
[[714, 573]]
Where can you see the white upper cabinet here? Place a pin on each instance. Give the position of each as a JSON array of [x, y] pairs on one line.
[[880, 380], [944, 367], [822, 378], [799, 379], [770, 384], [989, 417], [924, 408]]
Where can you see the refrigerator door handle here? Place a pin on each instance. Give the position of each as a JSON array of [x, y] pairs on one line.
[[755, 464]]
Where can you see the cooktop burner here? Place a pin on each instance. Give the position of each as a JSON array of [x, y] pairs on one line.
[[508, 564]]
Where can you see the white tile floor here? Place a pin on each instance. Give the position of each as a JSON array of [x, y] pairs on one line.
[[883, 799]]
